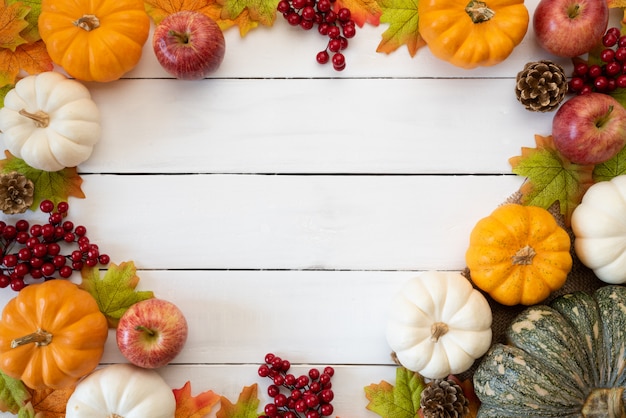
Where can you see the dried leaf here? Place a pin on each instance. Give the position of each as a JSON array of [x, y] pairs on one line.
[[198, 406], [399, 401], [13, 394], [31, 32], [362, 11], [551, 177], [402, 17], [616, 3], [33, 58], [246, 406], [12, 22], [261, 11], [115, 292], [50, 403], [56, 186], [159, 9]]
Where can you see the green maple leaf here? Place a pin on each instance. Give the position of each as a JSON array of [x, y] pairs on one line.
[[246, 406], [31, 32], [399, 401], [13, 394], [115, 292], [56, 186], [402, 17], [614, 167], [551, 178], [262, 11]]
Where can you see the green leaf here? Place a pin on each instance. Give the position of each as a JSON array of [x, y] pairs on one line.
[[399, 401], [262, 11], [115, 292], [3, 92], [402, 17], [56, 186], [246, 406], [550, 177], [31, 32], [614, 167], [13, 394]]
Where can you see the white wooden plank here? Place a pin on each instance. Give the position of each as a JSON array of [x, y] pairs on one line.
[[312, 126], [288, 222]]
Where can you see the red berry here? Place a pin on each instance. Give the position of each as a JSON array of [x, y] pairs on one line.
[[621, 81], [601, 83], [65, 272], [284, 7], [17, 284], [63, 207], [613, 68], [326, 410], [104, 259], [46, 206], [4, 281], [344, 14], [322, 57], [273, 390], [264, 371], [607, 55], [334, 45], [609, 40], [339, 60]]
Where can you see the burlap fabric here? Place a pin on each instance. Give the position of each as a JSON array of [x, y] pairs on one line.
[[580, 278]]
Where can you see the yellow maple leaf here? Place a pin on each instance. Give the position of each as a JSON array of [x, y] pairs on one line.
[[402, 17]]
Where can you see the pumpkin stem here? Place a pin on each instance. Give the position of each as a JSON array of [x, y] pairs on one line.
[[524, 256], [41, 118], [605, 402], [478, 11], [437, 330], [115, 416], [39, 337], [88, 22]]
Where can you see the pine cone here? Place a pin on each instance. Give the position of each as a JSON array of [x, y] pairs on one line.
[[16, 193], [443, 398], [541, 86]]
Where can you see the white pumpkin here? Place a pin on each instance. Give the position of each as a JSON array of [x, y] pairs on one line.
[[50, 121], [122, 390], [599, 226], [439, 324]]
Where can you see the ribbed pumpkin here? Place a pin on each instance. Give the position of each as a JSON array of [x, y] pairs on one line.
[[519, 254], [94, 40], [51, 335], [564, 360], [472, 33]]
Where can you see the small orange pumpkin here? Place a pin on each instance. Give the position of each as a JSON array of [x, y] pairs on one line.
[[471, 33], [519, 254], [94, 40], [51, 335]]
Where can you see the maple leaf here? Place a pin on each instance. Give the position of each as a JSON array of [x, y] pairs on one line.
[[12, 22], [31, 32], [188, 406], [159, 9], [50, 403], [614, 167], [56, 186], [402, 17], [115, 292], [551, 177], [362, 11], [399, 401], [13, 394], [261, 11], [33, 58], [246, 405]]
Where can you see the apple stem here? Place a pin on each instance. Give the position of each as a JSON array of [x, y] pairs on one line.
[[600, 122], [181, 37], [88, 22], [573, 11], [41, 119], [144, 329], [478, 11], [39, 337]]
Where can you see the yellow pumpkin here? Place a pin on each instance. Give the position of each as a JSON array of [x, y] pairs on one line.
[[94, 40], [471, 33], [51, 335], [519, 254]]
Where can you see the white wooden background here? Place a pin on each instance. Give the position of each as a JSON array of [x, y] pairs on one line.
[[281, 204]]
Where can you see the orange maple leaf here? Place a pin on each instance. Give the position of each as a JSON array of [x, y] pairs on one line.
[[362, 11], [12, 22], [188, 406], [159, 9], [32, 58], [50, 403]]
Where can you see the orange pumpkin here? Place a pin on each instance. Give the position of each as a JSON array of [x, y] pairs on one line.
[[51, 335], [519, 254], [94, 40]]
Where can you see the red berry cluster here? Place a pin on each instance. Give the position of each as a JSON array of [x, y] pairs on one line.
[[36, 250], [307, 396], [607, 75], [337, 25]]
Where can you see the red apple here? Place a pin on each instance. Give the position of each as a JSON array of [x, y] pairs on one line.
[[189, 45], [569, 28], [589, 129], [151, 333]]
